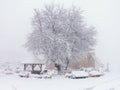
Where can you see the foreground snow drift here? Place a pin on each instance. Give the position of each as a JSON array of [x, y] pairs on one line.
[[107, 82]]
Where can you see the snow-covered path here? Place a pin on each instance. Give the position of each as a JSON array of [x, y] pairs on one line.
[[107, 82]]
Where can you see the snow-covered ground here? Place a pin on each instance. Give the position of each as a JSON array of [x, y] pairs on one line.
[[110, 81]]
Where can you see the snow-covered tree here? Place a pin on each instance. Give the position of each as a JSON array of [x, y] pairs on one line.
[[60, 34]]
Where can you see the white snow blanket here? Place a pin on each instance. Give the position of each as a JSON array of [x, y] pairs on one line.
[[110, 81]]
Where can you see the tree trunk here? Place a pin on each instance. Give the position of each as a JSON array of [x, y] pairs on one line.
[[67, 63], [59, 68]]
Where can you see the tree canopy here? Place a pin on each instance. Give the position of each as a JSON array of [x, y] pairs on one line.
[[60, 34]]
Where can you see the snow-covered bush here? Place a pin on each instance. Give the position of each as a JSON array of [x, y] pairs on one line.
[[24, 74], [95, 73]]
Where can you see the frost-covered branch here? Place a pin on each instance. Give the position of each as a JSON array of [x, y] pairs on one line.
[[60, 34]]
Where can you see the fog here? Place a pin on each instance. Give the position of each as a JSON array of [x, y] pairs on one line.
[[15, 25]]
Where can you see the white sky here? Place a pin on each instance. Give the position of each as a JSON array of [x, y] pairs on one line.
[[15, 19]]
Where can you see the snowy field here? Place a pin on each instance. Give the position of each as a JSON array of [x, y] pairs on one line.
[[110, 81]]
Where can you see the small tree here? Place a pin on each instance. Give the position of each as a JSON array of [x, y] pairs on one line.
[[60, 34]]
